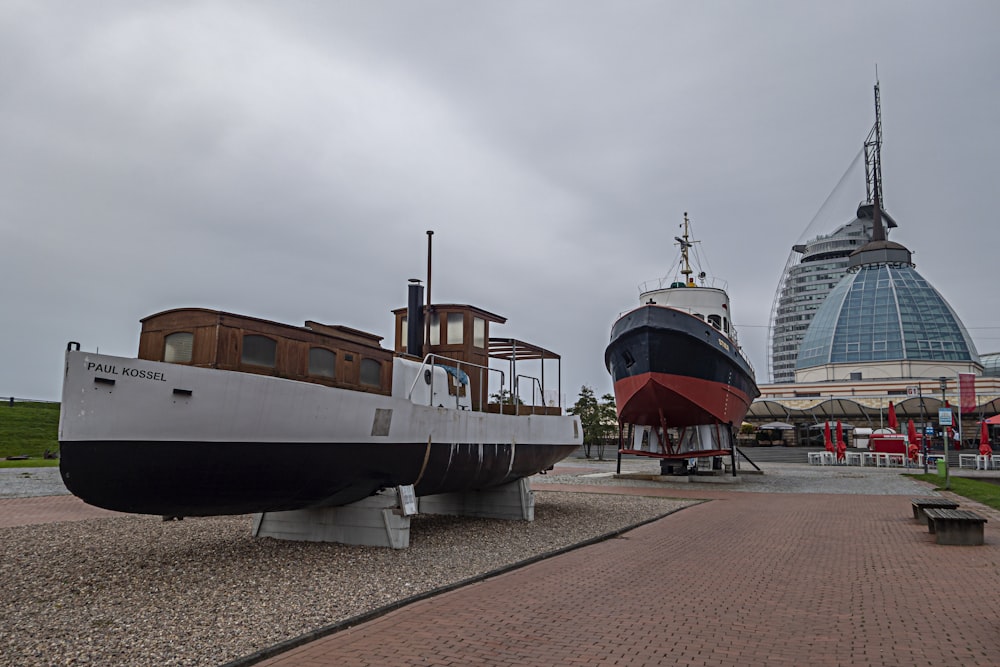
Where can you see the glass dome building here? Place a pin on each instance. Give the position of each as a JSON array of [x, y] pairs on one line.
[[810, 275], [884, 320]]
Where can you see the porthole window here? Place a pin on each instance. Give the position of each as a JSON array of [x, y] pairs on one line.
[[258, 350], [322, 362], [177, 347], [371, 372]]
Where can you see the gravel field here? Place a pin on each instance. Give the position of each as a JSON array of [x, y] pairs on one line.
[[140, 591]]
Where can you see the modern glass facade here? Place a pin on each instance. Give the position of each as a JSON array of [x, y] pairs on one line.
[[805, 284], [991, 364], [884, 312]]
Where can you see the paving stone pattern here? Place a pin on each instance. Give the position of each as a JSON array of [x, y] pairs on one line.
[[746, 579]]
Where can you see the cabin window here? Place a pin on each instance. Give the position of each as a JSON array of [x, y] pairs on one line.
[[699, 316], [715, 321], [435, 337], [455, 330], [478, 332], [404, 332], [259, 350], [177, 347], [371, 372], [322, 362], [725, 324]]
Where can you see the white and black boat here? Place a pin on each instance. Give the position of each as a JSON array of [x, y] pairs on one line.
[[227, 414], [678, 370]]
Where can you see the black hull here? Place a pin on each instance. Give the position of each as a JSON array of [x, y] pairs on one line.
[[212, 478], [665, 360]]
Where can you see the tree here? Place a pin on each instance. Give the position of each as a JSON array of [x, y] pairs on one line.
[[598, 419], [505, 397]]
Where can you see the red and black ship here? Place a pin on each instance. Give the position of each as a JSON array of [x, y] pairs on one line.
[[681, 381]]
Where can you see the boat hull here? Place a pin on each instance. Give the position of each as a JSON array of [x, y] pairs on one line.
[[155, 438], [673, 369]]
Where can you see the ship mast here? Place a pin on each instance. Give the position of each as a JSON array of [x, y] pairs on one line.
[[685, 244]]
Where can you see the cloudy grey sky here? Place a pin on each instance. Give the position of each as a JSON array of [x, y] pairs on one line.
[[284, 160]]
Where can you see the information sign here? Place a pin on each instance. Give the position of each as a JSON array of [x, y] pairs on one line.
[[944, 416], [407, 499]]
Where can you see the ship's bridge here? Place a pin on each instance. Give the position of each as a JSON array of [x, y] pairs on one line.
[[706, 303]]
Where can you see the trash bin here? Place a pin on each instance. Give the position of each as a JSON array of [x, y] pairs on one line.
[[941, 463]]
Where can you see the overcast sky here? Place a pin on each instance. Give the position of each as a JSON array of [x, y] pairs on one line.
[[285, 159]]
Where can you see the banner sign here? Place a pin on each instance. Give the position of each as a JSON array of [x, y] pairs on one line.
[[967, 392]]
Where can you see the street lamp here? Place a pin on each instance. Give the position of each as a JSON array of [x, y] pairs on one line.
[[944, 432], [923, 425]]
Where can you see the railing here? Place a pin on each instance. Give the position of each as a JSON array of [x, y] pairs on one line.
[[432, 361], [535, 382], [665, 283], [13, 399]]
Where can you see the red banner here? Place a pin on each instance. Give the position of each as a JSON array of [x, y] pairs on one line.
[[967, 392]]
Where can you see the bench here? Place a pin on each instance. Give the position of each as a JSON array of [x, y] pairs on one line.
[[920, 504], [952, 526]]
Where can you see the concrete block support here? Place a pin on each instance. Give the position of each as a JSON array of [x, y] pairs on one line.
[[375, 521], [514, 501]]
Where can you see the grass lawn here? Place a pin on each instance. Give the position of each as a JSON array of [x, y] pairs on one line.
[[973, 489], [28, 429]]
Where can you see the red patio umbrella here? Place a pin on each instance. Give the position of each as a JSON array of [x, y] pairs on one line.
[[984, 440], [893, 422], [841, 447], [827, 442]]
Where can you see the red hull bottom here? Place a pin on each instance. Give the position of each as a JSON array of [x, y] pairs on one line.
[[679, 400]]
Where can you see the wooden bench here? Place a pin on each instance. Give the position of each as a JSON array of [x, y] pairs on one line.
[[920, 504], [952, 526]]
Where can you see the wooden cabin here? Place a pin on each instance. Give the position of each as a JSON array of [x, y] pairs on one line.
[[458, 332], [335, 356], [461, 333], [339, 356]]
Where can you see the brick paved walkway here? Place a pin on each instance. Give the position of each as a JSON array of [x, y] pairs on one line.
[[47, 509], [747, 579]]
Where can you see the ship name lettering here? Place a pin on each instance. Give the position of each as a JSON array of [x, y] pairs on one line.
[[101, 368], [143, 374], [724, 344]]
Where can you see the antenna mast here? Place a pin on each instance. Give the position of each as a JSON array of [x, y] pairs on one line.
[[873, 154]]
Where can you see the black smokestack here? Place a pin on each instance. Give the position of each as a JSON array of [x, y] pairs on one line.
[[415, 319]]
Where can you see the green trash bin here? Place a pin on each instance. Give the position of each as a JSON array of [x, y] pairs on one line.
[[941, 464]]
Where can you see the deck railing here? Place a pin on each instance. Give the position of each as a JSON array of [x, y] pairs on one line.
[[435, 360]]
